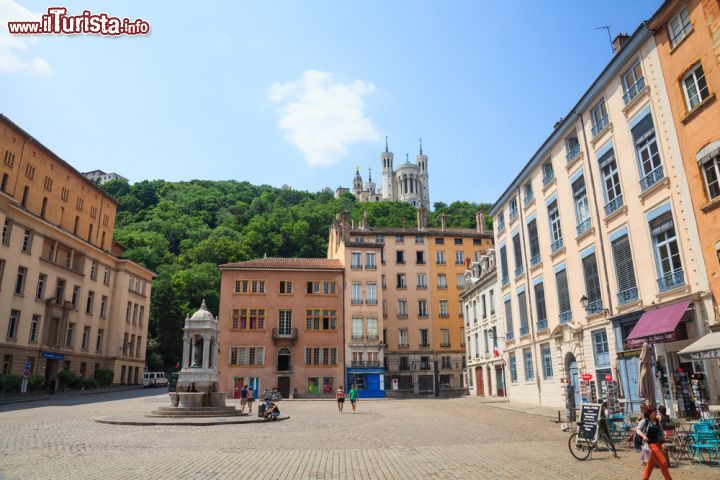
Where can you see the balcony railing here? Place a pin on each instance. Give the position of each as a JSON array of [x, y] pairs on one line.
[[535, 259], [371, 301], [505, 280], [284, 334], [556, 245], [424, 345], [513, 215], [548, 178], [542, 325], [356, 267], [501, 227], [524, 330], [627, 296], [565, 317], [598, 127], [595, 305], [402, 315], [444, 315], [672, 280], [652, 178], [634, 90], [372, 363], [613, 205], [572, 153], [529, 197], [518, 271], [584, 226], [509, 335]]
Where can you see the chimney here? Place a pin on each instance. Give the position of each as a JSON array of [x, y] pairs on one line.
[[620, 41], [422, 218], [443, 221], [365, 221], [345, 225], [480, 221]]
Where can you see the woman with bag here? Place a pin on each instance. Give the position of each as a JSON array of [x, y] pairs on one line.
[[650, 430]]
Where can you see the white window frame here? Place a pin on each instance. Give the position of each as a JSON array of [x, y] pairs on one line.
[[681, 24], [693, 75]]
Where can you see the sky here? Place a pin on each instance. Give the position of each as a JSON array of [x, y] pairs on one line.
[[299, 93]]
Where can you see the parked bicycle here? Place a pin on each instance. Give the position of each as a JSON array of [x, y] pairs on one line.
[[272, 395], [581, 448]]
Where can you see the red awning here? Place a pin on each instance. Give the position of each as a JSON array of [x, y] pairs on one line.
[[659, 321]]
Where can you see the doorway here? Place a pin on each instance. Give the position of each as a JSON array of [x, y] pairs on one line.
[[574, 376], [500, 381], [237, 386], [480, 385], [489, 379], [284, 386], [284, 357], [50, 371]]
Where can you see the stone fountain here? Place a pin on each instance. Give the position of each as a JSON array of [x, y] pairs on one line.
[[197, 393]]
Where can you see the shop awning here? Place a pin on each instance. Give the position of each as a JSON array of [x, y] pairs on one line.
[[705, 348], [658, 322]]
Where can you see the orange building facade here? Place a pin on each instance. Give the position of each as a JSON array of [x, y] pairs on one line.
[[687, 34], [281, 326]]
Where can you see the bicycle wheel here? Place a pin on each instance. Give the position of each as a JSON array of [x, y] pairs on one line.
[[579, 447]]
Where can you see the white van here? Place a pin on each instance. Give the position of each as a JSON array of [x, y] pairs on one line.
[[154, 379]]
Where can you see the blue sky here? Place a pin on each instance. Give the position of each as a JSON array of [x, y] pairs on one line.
[[299, 93]]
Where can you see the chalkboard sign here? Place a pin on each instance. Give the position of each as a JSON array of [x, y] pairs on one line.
[[589, 416]]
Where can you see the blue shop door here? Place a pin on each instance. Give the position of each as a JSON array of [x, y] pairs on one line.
[[373, 382]]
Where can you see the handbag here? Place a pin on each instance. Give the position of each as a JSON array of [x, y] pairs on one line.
[[638, 441], [646, 453]]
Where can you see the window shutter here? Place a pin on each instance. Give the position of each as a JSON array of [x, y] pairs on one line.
[[592, 282], [662, 224], [643, 128], [623, 264], [533, 237], [508, 316], [562, 291], [607, 157], [517, 251], [540, 302], [522, 308], [503, 261]]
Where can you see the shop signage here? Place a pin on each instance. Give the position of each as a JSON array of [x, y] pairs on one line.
[[589, 415], [629, 353], [608, 377], [706, 355], [365, 370], [659, 338], [53, 356], [586, 376]]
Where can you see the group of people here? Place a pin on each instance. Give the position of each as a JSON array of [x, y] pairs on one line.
[[247, 397], [354, 395]]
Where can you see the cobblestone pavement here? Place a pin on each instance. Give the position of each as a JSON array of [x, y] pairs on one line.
[[458, 438]]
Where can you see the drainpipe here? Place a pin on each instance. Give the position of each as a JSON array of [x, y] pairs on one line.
[[528, 296]]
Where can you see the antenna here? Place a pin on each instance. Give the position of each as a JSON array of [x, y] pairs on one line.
[[607, 28]]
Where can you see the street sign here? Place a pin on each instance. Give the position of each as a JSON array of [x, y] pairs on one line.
[[608, 377], [28, 365], [586, 376], [26, 373]]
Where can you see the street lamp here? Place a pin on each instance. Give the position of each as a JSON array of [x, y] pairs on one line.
[[585, 302]]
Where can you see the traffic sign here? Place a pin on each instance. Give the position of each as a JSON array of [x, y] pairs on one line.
[[28, 365], [608, 377], [26, 373]]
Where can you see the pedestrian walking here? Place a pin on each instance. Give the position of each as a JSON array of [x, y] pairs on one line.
[[354, 395], [250, 398], [653, 436], [243, 398], [340, 397]]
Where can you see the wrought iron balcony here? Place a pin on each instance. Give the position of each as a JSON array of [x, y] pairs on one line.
[[518, 271], [565, 317], [627, 296], [524, 330], [529, 197], [672, 280], [556, 245], [542, 324], [572, 153], [584, 226], [595, 305], [509, 335], [285, 334], [613, 205], [634, 90], [652, 178], [505, 280], [598, 127], [513, 215], [535, 259], [548, 178]]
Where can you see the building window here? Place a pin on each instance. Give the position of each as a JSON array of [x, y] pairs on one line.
[[528, 193], [523, 313], [667, 252], [20, 281], [356, 298], [556, 238], [504, 265], [106, 275], [542, 323], [316, 319], [285, 287], [548, 172], [403, 338], [647, 152], [460, 280], [371, 294], [402, 308], [444, 337], [370, 263], [357, 328], [592, 282], [40, 291], [513, 209], [563, 295], [508, 320], [251, 319], [513, 368], [695, 86], [599, 118], [85, 338], [247, 355], [93, 270], [572, 149], [547, 362], [285, 323], [421, 281], [633, 82], [99, 340], [582, 206], [422, 308], [7, 231], [624, 270], [679, 26], [711, 174], [13, 323], [517, 251], [89, 304], [27, 240], [400, 257], [528, 361], [441, 281], [611, 182], [459, 258], [500, 222], [533, 243], [424, 339], [7, 364], [401, 282], [356, 261], [444, 309], [600, 346], [440, 257], [69, 335]]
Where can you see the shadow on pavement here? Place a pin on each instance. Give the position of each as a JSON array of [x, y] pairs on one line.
[[80, 398]]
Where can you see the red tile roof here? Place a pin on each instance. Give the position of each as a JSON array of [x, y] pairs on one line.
[[287, 263]]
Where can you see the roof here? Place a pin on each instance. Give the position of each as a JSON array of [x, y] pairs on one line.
[[286, 264], [80, 175], [430, 232]]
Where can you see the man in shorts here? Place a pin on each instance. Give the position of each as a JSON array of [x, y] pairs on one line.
[[243, 398], [340, 397], [354, 395]]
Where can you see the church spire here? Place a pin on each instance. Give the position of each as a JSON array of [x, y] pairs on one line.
[[421, 146], [386, 144]]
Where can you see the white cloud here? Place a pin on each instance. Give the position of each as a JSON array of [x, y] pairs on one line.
[[12, 45], [322, 116]]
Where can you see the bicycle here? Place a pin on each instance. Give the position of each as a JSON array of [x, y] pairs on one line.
[[581, 448], [272, 395]]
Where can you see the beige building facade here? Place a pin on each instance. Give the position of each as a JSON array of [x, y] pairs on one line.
[[67, 298], [598, 246]]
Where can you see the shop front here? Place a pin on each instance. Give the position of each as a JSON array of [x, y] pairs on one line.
[[369, 381]]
